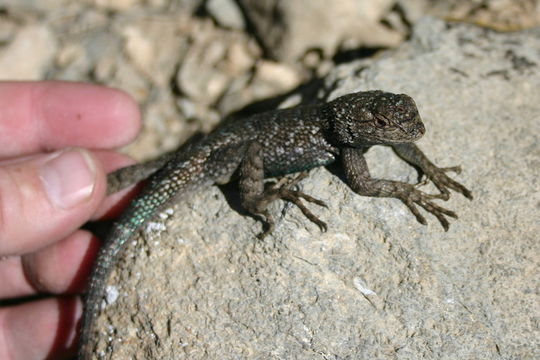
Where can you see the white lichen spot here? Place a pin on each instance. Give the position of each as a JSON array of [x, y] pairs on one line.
[[361, 286], [163, 216], [166, 213], [155, 227], [111, 294]]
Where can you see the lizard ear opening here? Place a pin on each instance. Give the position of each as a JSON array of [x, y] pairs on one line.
[[381, 122]]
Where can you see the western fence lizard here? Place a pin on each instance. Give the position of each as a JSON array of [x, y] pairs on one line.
[[273, 144]]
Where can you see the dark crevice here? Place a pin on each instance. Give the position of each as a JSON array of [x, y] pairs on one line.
[[355, 54]]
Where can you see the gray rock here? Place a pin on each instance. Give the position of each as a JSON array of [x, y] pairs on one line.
[[199, 285], [32, 39], [503, 15], [289, 29], [156, 60], [226, 13], [198, 76], [211, 63]]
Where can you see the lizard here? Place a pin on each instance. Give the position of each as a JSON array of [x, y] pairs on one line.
[[274, 144]]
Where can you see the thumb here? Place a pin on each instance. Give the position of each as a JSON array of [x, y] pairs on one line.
[[47, 197]]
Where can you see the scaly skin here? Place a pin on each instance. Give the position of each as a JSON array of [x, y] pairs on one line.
[[273, 144]]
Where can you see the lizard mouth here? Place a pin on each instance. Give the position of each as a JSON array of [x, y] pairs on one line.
[[411, 131], [418, 131]]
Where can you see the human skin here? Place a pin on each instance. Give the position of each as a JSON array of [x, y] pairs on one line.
[[58, 142]]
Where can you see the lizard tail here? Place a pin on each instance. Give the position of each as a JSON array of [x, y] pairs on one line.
[[173, 180], [107, 256]]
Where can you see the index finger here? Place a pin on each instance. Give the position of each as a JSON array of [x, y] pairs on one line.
[[48, 115]]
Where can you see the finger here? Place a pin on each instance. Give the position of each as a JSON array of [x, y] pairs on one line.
[[39, 329], [64, 266], [60, 268], [64, 262], [110, 161], [45, 199], [38, 116]]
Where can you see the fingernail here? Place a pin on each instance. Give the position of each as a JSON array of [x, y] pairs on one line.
[[69, 178]]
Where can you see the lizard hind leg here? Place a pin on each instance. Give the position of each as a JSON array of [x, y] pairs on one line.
[[256, 198]]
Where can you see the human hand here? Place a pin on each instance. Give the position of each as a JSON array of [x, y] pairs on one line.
[[49, 187]]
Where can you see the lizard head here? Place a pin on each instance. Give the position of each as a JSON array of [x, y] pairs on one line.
[[373, 117]]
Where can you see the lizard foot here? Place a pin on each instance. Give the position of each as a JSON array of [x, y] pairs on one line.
[[283, 190], [412, 197]]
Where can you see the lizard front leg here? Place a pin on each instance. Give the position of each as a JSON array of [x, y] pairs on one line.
[[361, 182], [413, 155], [255, 198]]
